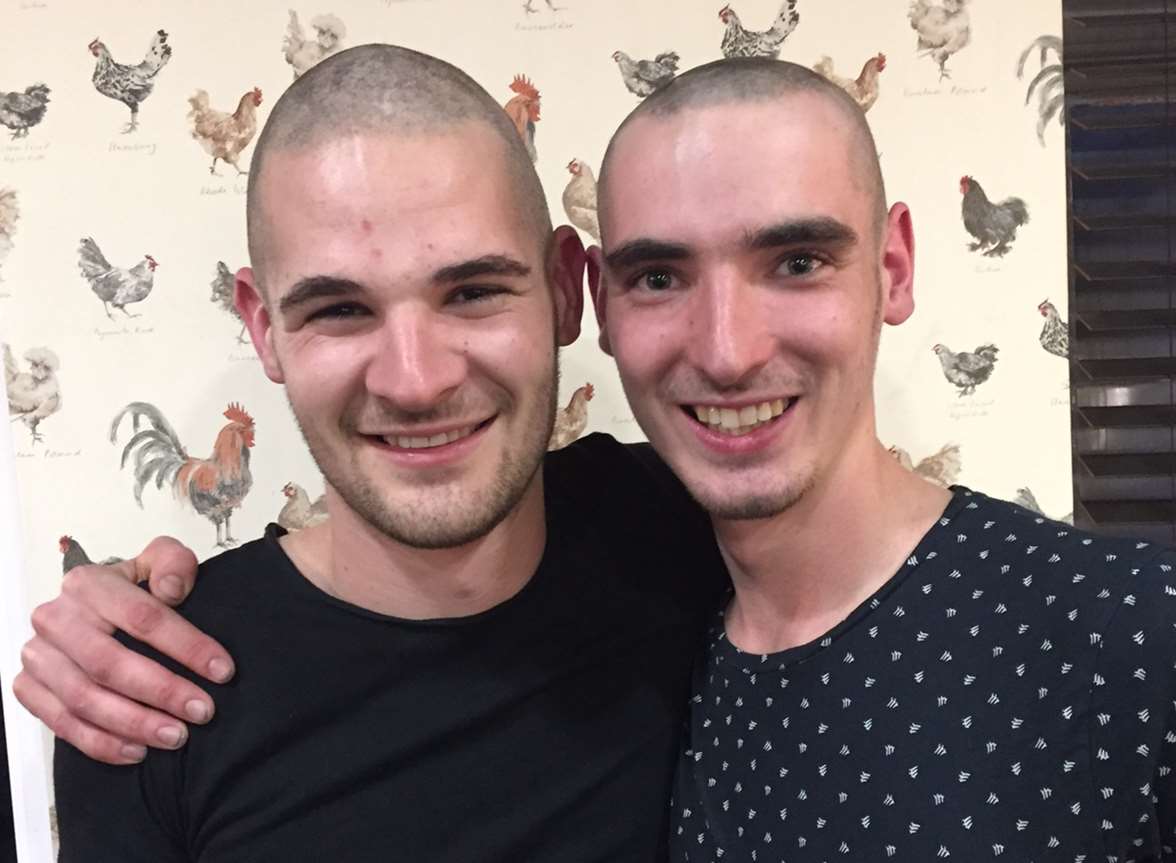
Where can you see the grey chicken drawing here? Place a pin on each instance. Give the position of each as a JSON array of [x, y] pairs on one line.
[[33, 395], [1055, 335], [113, 285], [1049, 83], [740, 42], [967, 369], [130, 85], [643, 77], [20, 111], [223, 284]]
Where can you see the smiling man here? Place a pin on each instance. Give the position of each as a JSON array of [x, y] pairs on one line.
[[900, 672], [476, 657]]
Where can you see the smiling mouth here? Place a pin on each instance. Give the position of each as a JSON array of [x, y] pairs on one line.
[[430, 441], [739, 421]]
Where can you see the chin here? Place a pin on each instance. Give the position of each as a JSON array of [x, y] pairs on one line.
[[726, 498]]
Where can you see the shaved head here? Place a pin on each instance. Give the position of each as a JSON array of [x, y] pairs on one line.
[[386, 90], [755, 80]]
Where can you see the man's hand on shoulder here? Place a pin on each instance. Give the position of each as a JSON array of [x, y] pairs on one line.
[[100, 696]]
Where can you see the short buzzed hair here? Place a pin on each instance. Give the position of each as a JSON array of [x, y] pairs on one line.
[[756, 80], [385, 89]]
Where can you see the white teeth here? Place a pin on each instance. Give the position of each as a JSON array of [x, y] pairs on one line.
[[418, 442], [738, 422]]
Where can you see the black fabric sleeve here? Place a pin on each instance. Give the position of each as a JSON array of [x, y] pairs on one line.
[[111, 814]]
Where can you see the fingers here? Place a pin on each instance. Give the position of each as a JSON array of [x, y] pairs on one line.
[[96, 743], [93, 603], [169, 567], [87, 705]]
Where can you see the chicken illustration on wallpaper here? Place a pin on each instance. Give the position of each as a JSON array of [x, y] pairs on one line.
[[222, 135], [941, 468], [21, 110], [643, 77], [298, 512], [212, 486], [1055, 335], [9, 216], [579, 198], [33, 394], [944, 30], [1048, 84], [864, 88], [115, 286], [739, 42], [993, 226], [73, 555], [967, 369], [301, 52], [523, 110], [529, 6], [130, 85], [223, 284], [571, 421], [1026, 499]]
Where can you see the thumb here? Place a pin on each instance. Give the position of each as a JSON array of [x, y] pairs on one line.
[[168, 567]]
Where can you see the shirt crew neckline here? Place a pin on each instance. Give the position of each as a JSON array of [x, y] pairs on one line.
[[724, 651]]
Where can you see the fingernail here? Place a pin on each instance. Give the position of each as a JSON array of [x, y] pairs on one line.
[[132, 752], [220, 670], [171, 735], [170, 587], [197, 711]]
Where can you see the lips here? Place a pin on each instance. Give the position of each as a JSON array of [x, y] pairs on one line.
[[742, 420], [422, 442]]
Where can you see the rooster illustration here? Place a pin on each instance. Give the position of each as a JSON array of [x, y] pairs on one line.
[[73, 555], [571, 421], [523, 110], [994, 226], [213, 486], [20, 111], [644, 77], [967, 369], [223, 284], [113, 285], [1055, 335], [303, 53], [944, 30], [1051, 80], [738, 42], [529, 8], [130, 85]]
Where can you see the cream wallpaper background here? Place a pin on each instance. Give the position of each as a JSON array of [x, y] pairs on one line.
[[149, 192]]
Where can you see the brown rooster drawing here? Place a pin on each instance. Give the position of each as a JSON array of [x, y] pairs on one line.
[[214, 486], [523, 111], [571, 421]]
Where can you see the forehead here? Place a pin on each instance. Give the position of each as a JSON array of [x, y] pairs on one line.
[[393, 203], [711, 173]]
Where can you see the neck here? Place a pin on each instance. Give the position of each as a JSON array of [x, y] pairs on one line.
[[801, 572], [349, 558]]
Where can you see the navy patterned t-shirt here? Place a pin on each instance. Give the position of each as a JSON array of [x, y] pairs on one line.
[[1008, 696]]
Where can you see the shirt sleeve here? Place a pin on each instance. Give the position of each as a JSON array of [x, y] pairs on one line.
[[109, 814]]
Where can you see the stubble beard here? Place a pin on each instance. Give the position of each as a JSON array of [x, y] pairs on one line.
[[438, 519]]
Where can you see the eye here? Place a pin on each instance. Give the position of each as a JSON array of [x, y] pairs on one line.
[[800, 264], [475, 293], [654, 280], [338, 311]]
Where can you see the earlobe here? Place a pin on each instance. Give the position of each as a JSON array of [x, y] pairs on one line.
[[898, 266], [251, 306], [567, 283], [599, 292]]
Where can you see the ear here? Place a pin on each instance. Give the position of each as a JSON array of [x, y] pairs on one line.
[[898, 266], [251, 306], [599, 291], [567, 282]]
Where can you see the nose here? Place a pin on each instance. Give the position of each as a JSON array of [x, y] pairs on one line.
[[419, 360], [731, 338]]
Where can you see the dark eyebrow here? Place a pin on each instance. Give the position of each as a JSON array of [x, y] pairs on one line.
[[315, 288], [644, 250], [821, 231], [487, 265]]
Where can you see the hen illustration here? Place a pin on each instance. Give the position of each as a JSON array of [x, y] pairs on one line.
[[643, 77], [223, 284], [967, 370], [1055, 335], [944, 30], [1049, 83], [130, 85], [21, 111], [223, 136], [864, 88], [1026, 499], [941, 468], [571, 421], [73, 555], [523, 110], [579, 199], [9, 216], [738, 42], [298, 512], [302, 53], [531, 10], [214, 486], [994, 226], [33, 395], [113, 285]]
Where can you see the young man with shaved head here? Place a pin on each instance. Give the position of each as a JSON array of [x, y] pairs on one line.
[[900, 672]]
